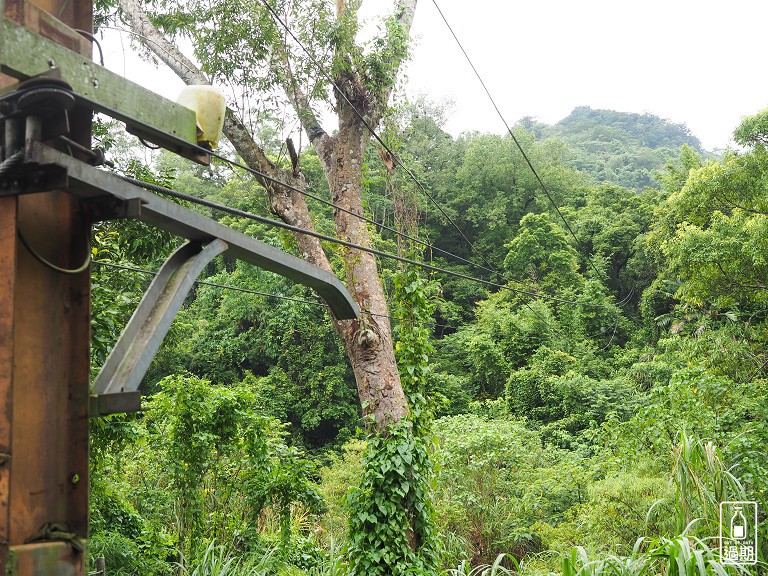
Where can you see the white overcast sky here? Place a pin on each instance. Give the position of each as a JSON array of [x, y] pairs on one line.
[[697, 62]]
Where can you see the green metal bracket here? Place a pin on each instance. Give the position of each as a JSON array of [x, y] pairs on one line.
[[24, 54]]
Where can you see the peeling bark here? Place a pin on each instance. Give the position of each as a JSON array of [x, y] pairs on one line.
[[368, 341]]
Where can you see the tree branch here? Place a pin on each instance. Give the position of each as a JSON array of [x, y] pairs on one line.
[[288, 204], [403, 14], [300, 102]]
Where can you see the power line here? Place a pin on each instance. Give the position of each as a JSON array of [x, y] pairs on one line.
[[489, 267], [373, 132], [325, 237], [257, 292], [514, 138], [375, 223], [421, 242], [267, 177], [274, 180], [347, 211]]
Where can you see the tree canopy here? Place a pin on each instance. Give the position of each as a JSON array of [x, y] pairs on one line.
[[573, 386]]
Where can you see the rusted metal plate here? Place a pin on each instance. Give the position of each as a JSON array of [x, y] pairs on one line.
[[45, 559]]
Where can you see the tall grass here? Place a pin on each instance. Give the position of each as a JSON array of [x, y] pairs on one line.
[[495, 569], [218, 560], [680, 556], [702, 481]]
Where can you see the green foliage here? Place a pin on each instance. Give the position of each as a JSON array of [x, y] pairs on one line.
[[562, 422], [215, 442], [391, 524], [680, 556], [618, 147], [342, 471], [203, 465], [287, 353], [495, 569], [217, 560], [541, 254], [495, 481], [753, 130]]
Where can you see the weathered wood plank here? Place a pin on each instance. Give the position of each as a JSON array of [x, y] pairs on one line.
[[24, 54]]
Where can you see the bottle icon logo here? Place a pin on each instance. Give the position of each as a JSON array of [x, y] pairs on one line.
[[738, 533], [738, 524]]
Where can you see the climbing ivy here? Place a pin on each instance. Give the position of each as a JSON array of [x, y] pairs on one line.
[[392, 528]]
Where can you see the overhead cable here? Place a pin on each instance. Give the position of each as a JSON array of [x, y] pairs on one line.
[[515, 140], [362, 217], [257, 292], [373, 132], [398, 161], [488, 266], [269, 178], [325, 237]]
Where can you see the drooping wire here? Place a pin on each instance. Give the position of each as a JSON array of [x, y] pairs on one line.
[[413, 177], [92, 38], [515, 140], [488, 267], [267, 177], [383, 226], [48, 264], [399, 162], [325, 237], [362, 217]]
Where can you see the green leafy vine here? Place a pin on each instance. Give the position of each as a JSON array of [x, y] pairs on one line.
[[392, 528]]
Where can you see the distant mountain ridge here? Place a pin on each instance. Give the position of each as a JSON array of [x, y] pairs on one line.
[[619, 147]]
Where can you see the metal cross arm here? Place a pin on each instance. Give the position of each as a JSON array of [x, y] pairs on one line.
[[89, 182], [116, 386]]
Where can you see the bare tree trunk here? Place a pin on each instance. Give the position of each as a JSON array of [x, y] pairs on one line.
[[369, 344]]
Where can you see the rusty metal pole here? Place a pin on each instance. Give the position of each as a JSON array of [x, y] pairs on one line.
[[44, 347]]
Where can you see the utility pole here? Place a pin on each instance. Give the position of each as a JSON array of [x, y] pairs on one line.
[[44, 346], [45, 397]]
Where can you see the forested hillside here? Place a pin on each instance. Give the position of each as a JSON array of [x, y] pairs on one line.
[[599, 390], [553, 373], [617, 147]]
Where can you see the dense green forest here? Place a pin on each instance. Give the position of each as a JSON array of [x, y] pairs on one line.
[[617, 147], [581, 352], [622, 399]]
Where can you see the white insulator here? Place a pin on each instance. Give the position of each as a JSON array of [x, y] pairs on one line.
[[209, 106]]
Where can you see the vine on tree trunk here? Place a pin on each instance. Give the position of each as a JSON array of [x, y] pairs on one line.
[[392, 528]]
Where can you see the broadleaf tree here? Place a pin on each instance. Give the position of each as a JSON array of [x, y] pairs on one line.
[[243, 43]]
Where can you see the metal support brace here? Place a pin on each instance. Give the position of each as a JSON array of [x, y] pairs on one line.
[[130, 358], [116, 386], [88, 182]]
